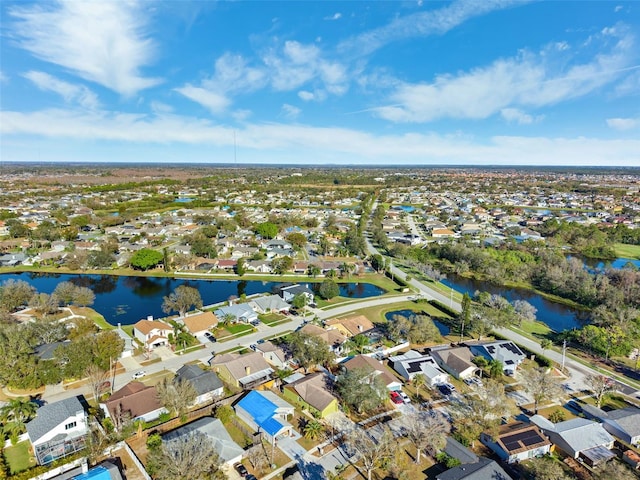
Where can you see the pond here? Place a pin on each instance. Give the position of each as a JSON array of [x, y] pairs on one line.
[[125, 300], [442, 328], [556, 316], [617, 263]]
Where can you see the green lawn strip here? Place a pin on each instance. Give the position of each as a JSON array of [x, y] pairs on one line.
[[97, 318], [238, 328], [624, 250], [271, 319], [18, 458]]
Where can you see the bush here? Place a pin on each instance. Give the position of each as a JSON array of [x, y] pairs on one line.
[[154, 441]]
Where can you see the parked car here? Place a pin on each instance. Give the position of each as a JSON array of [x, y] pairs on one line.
[[253, 346], [405, 397], [255, 323], [445, 390], [210, 336], [396, 397], [138, 375], [241, 469]]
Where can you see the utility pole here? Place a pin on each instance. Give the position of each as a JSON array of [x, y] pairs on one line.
[[564, 351]]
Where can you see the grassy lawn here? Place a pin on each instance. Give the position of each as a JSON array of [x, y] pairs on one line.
[[18, 457], [377, 314], [627, 251], [535, 329], [272, 318], [239, 328], [91, 314]]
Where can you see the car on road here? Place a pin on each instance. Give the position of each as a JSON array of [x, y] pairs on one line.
[[396, 397], [210, 336], [261, 340], [138, 374], [241, 469]]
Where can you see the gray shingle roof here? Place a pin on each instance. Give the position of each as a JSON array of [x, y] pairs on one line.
[[203, 381], [484, 469], [51, 415]]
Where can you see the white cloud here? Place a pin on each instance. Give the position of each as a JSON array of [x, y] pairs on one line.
[[335, 16], [305, 95], [213, 101], [104, 42], [159, 107], [514, 115], [270, 142], [70, 92], [623, 123], [3, 77], [421, 24], [533, 80], [290, 111], [618, 8]]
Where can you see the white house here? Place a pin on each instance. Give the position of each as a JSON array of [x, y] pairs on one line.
[[239, 313], [59, 429], [152, 333], [269, 304], [413, 363], [504, 351], [289, 293], [272, 354]]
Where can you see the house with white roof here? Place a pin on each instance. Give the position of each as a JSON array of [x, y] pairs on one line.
[[578, 438], [623, 423], [269, 304], [238, 313], [413, 363], [504, 351]]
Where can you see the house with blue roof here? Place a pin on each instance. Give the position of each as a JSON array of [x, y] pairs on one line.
[[266, 413]]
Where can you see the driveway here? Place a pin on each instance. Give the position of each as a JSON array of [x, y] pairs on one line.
[[291, 448]]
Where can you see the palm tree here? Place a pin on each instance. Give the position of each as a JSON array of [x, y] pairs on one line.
[[15, 415], [312, 429], [420, 380]]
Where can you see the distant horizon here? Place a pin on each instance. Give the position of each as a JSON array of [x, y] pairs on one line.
[[455, 82]]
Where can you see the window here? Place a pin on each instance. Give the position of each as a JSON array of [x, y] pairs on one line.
[[69, 426]]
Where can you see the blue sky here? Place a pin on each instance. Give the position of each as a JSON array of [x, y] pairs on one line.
[[307, 82]]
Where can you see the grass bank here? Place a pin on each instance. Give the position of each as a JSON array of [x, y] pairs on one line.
[[627, 251]]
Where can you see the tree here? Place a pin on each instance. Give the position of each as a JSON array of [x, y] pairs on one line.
[[267, 230], [202, 246], [15, 293], [361, 389], [614, 470], [372, 452], [600, 386], [419, 381], [282, 265], [176, 395], [15, 414], [541, 385], [83, 327], [65, 292], [313, 270], [545, 344], [312, 429], [18, 365], [524, 311], [359, 342], [299, 301], [546, 468], [496, 368], [426, 432], [308, 350], [423, 330], [145, 258], [465, 313], [241, 267], [181, 300], [97, 379], [481, 410], [224, 413], [83, 297], [44, 303], [106, 347], [189, 457], [297, 240], [329, 289], [101, 258]]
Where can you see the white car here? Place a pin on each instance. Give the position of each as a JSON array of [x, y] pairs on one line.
[[405, 397], [138, 375]]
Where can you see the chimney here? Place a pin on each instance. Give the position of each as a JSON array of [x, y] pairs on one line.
[[247, 370], [360, 328], [150, 318]]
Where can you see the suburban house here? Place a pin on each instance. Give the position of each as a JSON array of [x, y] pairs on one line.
[[483, 469], [288, 293], [152, 333], [350, 326], [457, 361], [200, 323], [578, 438], [246, 371], [129, 348], [59, 429], [241, 312], [207, 385], [504, 351], [515, 442], [623, 423], [269, 304], [266, 413], [413, 363], [333, 338], [311, 392], [273, 354], [376, 368], [134, 401], [228, 450]]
